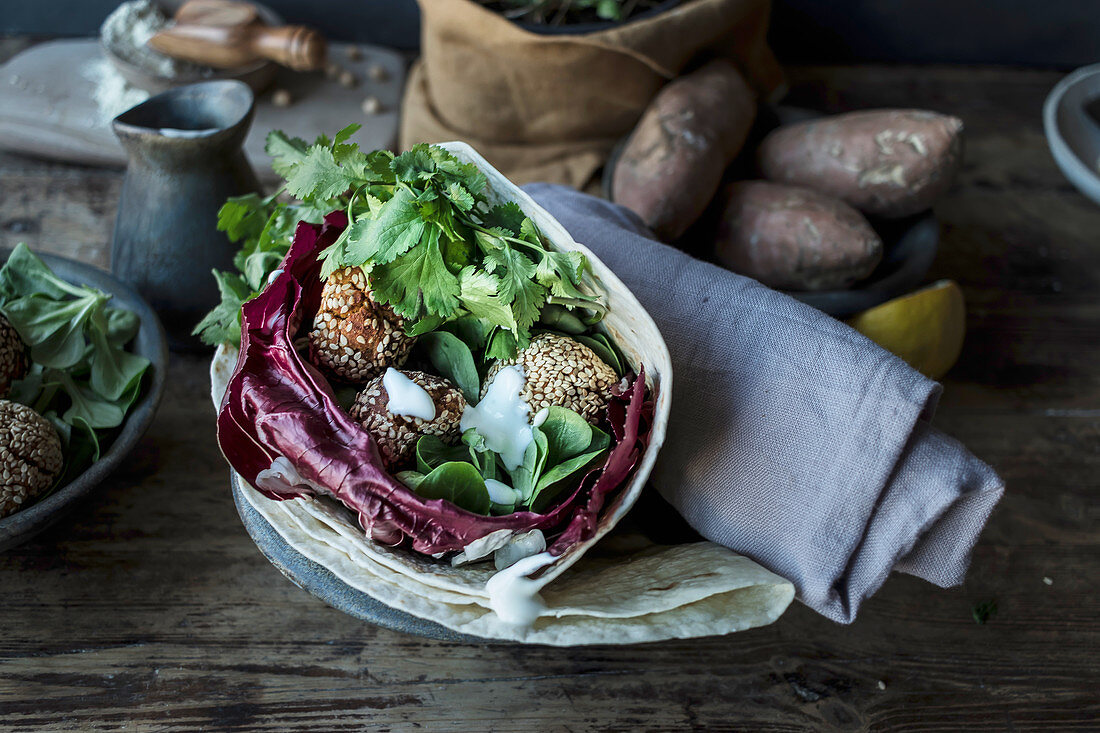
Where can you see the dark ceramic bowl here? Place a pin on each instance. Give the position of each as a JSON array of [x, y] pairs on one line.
[[258, 76], [1071, 119], [150, 343], [584, 29]]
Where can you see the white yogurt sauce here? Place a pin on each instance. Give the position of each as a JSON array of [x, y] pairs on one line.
[[519, 547], [500, 492], [406, 397], [513, 596], [502, 417]]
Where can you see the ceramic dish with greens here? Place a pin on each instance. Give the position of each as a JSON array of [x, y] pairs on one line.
[[81, 371]]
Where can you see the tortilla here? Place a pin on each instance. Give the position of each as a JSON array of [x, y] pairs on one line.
[[646, 592], [634, 592]]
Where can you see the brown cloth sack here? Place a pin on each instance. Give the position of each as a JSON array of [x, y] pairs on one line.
[[551, 107]]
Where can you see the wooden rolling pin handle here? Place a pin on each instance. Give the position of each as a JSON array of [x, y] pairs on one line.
[[293, 46]]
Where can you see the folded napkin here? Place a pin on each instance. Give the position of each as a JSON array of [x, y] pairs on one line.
[[794, 440]]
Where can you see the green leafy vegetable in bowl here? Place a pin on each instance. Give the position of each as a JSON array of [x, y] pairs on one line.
[[73, 368]]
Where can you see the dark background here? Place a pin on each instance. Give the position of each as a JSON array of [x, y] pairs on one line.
[[1050, 33]]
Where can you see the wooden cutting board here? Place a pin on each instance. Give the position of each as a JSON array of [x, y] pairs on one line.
[[48, 108]]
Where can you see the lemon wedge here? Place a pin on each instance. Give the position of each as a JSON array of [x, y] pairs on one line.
[[925, 327]]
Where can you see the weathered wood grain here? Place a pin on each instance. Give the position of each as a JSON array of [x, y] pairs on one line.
[[149, 608]]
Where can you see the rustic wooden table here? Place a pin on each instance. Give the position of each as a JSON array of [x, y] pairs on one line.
[[149, 608]]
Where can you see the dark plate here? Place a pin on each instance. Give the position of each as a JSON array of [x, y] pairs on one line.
[[909, 245], [1071, 119], [320, 581], [150, 343]]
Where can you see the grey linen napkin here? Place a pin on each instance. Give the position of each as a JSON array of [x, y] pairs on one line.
[[794, 440]]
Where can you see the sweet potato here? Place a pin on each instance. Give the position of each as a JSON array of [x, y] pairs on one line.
[[672, 163], [793, 238], [887, 163]]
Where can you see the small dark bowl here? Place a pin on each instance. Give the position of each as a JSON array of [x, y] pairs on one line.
[[258, 75], [1071, 120], [584, 29], [909, 244], [150, 343], [909, 247]]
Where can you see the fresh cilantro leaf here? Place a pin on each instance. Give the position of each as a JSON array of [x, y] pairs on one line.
[[243, 217], [479, 295], [414, 165], [455, 171], [318, 175], [418, 279], [459, 196], [505, 216], [222, 324], [516, 271], [561, 272], [529, 232], [398, 228], [286, 152], [258, 266], [346, 133]]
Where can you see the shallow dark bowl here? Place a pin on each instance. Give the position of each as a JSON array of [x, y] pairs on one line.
[[909, 247], [321, 583], [258, 75], [1071, 120], [150, 343], [909, 244], [584, 29]]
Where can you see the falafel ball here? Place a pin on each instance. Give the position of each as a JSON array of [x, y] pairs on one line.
[[396, 435], [30, 456], [560, 371], [13, 356], [355, 337]]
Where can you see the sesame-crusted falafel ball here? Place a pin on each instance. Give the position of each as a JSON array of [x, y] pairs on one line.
[[13, 356], [30, 456], [396, 435], [560, 371], [354, 336]]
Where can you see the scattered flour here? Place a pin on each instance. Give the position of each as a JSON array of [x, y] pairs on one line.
[[113, 95], [126, 31]]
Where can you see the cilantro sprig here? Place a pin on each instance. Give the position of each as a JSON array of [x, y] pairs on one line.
[[434, 249], [421, 226]]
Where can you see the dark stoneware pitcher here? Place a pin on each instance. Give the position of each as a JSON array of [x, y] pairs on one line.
[[185, 160]]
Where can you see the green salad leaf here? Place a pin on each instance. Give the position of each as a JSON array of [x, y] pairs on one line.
[[562, 449], [453, 360], [456, 481]]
